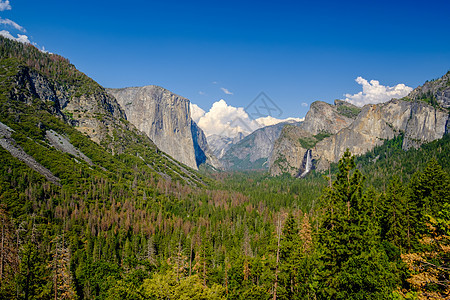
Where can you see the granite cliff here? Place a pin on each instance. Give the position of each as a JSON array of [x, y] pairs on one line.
[[253, 151], [165, 118], [50, 111], [321, 121], [329, 130]]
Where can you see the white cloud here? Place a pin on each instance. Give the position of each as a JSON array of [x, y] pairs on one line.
[[226, 120], [196, 112], [373, 92], [201, 93], [304, 104], [20, 37], [12, 23], [4, 5], [267, 121], [226, 91]]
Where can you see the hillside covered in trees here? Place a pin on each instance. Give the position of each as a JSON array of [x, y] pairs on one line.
[[129, 222]]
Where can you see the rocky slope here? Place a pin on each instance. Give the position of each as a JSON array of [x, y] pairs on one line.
[[321, 121], [165, 118], [44, 98], [220, 144], [253, 151], [421, 117], [419, 122], [434, 91], [324, 117]]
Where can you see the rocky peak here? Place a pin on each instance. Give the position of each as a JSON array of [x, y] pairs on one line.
[[421, 117], [325, 117], [434, 92]]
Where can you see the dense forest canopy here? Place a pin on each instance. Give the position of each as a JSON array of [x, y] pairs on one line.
[[377, 227]]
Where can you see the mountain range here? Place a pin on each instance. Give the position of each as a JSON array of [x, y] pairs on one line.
[[118, 118]]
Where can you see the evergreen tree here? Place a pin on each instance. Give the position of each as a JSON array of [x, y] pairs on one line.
[[398, 216], [353, 265]]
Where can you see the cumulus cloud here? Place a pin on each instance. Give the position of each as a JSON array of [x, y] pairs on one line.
[[4, 5], [226, 120], [226, 91], [373, 92], [269, 120], [20, 37], [12, 23], [196, 112]]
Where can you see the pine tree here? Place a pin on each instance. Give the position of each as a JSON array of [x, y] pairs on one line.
[[354, 266], [430, 189], [288, 250], [398, 215]]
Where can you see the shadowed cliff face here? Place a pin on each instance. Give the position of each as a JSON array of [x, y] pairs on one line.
[[165, 118]]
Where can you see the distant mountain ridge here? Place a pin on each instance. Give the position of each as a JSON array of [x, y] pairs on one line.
[[328, 130], [253, 151]]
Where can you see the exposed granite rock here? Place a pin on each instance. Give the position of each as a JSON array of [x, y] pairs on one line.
[[288, 152], [165, 118], [220, 144], [435, 90], [419, 122], [253, 151], [324, 117], [203, 154], [61, 143], [94, 113], [10, 145]]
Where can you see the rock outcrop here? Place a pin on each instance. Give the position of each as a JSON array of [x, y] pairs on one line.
[[324, 117], [419, 122], [288, 151], [321, 121], [421, 117], [253, 151], [434, 91], [220, 144], [94, 113], [165, 118]]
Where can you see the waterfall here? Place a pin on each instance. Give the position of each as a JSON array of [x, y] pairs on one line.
[[306, 164]]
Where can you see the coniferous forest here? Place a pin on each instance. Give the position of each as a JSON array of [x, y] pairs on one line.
[[133, 225]]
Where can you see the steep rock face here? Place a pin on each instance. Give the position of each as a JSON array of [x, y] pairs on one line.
[[220, 144], [94, 113], [203, 154], [288, 152], [253, 151], [322, 120], [324, 117], [435, 91], [419, 122], [165, 118]]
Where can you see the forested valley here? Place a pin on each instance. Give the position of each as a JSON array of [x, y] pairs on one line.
[[133, 224]]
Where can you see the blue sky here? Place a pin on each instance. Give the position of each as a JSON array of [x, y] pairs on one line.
[[294, 51]]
